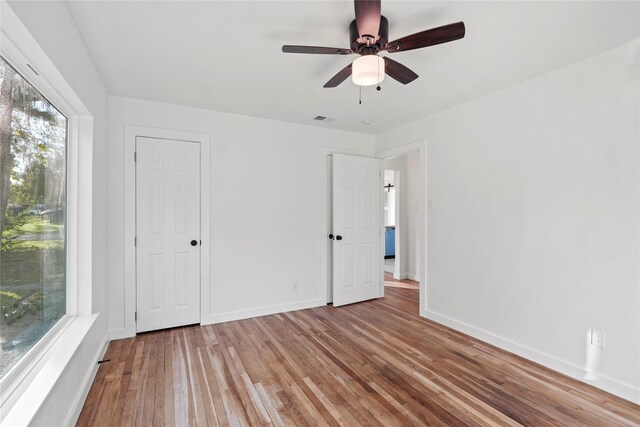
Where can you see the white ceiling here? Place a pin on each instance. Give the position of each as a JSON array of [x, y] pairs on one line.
[[226, 55]]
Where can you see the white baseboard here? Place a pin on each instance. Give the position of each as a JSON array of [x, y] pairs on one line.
[[401, 276], [625, 391], [262, 311], [410, 276], [118, 334], [85, 386]]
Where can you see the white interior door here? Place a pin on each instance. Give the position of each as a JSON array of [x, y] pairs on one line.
[[167, 233], [356, 229]]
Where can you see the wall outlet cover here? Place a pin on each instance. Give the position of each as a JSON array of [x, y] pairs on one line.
[[597, 338]]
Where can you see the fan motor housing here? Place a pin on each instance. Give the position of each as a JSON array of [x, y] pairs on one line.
[[360, 45]]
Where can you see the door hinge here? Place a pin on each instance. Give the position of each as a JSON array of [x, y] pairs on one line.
[[135, 316], [135, 241], [135, 156]]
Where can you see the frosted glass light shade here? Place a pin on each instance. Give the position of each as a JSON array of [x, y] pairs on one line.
[[367, 70]]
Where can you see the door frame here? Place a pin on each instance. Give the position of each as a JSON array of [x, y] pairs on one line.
[[397, 243], [419, 146], [131, 132]]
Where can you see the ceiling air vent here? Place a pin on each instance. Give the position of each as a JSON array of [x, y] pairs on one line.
[[319, 118]]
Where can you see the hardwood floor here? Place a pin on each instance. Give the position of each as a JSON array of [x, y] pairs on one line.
[[373, 363], [404, 283]]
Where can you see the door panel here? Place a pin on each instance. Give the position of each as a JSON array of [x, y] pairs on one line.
[[356, 220], [167, 220]]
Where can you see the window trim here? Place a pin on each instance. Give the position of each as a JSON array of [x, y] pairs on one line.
[[22, 51]]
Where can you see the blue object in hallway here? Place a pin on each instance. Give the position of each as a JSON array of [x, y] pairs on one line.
[[390, 242]]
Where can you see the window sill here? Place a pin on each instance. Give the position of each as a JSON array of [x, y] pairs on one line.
[[27, 393]]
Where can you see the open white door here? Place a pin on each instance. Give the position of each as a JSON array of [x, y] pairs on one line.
[[168, 233], [356, 229]]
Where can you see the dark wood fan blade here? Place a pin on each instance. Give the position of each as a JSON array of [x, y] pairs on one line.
[[398, 71], [340, 77], [426, 38], [316, 49], [368, 17]]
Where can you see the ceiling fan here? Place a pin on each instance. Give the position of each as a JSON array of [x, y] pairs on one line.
[[369, 34]]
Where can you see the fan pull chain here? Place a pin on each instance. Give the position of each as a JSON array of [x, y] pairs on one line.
[[360, 96]]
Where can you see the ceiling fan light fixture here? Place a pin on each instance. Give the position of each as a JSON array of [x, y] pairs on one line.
[[368, 70]]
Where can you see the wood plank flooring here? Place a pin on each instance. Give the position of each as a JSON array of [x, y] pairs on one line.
[[375, 363], [404, 283]]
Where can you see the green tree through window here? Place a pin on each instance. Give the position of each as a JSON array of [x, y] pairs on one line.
[[33, 140]]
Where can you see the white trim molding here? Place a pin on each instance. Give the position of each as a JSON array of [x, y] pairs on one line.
[[25, 405], [264, 311], [85, 387], [131, 132], [625, 391]]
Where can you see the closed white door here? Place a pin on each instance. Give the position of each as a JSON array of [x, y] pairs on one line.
[[167, 233], [356, 229]]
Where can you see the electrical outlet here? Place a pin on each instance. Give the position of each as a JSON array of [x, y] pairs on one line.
[[597, 338], [295, 286]]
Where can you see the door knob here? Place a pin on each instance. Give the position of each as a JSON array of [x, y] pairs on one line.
[[331, 236], [194, 242], [338, 237]]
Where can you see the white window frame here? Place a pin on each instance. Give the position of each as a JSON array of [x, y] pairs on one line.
[[21, 50]]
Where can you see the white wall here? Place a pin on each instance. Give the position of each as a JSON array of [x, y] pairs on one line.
[[267, 179], [533, 236], [414, 191], [408, 165], [52, 27]]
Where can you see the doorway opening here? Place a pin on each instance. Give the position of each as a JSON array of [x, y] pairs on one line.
[[416, 153], [402, 190], [390, 215]]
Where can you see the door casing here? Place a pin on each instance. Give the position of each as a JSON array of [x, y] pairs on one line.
[[128, 291]]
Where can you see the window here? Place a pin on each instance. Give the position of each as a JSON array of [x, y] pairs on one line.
[[33, 144]]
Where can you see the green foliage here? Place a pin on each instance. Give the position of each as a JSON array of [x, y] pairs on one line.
[[8, 295], [12, 230], [38, 245], [26, 265], [28, 186], [14, 307], [21, 224], [35, 225]]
